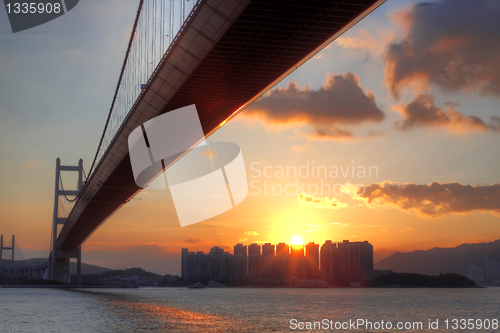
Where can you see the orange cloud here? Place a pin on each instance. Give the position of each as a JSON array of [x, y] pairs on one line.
[[337, 134], [451, 44], [341, 101], [423, 112], [371, 41], [329, 133], [434, 200], [192, 240], [333, 203]]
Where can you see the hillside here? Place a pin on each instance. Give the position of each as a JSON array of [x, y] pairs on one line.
[[128, 272], [450, 280], [442, 260], [86, 268]]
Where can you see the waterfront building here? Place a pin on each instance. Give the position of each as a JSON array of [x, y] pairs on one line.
[[338, 263], [254, 262], [312, 260]]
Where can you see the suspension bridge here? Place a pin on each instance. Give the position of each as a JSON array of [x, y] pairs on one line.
[[11, 267], [220, 55]]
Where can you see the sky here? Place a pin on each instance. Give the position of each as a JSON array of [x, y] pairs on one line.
[[407, 99]]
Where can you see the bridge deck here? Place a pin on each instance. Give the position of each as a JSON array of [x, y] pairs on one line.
[[256, 44]]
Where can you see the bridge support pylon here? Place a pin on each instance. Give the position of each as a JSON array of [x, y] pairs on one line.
[[59, 260], [2, 247]]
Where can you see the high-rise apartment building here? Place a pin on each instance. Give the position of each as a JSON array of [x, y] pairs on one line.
[[346, 261], [325, 261], [268, 250], [200, 265], [240, 263], [268, 262], [218, 264], [475, 273], [184, 265], [312, 260], [351, 261], [282, 261], [282, 249], [254, 249], [492, 269], [190, 265], [297, 263], [240, 250], [254, 262]]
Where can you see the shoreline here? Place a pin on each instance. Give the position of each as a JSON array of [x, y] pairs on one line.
[[20, 286], [15, 286]]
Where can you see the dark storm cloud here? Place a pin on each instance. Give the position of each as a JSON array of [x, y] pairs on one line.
[[341, 101], [436, 199], [452, 44], [422, 112]]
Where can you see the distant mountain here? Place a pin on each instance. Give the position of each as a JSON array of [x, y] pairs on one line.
[[141, 273], [87, 269], [442, 260], [420, 280]]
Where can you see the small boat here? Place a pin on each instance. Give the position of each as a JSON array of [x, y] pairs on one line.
[[197, 285]]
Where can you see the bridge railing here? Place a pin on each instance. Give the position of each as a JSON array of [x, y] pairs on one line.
[[157, 26]]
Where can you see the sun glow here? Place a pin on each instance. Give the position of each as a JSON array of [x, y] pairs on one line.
[[296, 240]]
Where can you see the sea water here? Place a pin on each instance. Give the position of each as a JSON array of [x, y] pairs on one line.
[[250, 309]]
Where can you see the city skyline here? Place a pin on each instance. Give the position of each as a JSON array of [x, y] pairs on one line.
[[333, 263]]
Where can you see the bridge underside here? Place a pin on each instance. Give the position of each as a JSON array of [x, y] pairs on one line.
[[263, 44]]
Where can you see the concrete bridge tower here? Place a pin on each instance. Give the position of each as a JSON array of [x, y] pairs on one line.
[[2, 247], [58, 267]]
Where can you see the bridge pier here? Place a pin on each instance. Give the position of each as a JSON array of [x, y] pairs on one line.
[[60, 269], [59, 261], [79, 265]]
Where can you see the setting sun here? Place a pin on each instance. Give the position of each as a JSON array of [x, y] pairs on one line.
[[296, 240]]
